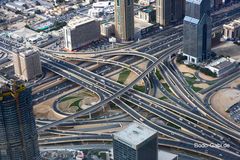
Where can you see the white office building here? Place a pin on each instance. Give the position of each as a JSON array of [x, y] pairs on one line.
[[80, 32]]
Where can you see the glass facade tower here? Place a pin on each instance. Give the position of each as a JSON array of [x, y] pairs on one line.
[[124, 19], [18, 134], [197, 31]]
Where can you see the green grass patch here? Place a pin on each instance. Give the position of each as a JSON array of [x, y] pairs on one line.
[[123, 76], [139, 88], [163, 98], [196, 89], [173, 125], [159, 75], [68, 98], [166, 86], [113, 106], [191, 120], [191, 81], [76, 103]]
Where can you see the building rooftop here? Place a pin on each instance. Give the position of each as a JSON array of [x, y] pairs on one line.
[[11, 89], [163, 155], [23, 33], [27, 53], [191, 20], [222, 63], [14, 6], [76, 21], [195, 1], [234, 24], [134, 134]]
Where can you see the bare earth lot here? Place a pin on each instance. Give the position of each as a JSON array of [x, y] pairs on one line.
[[224, 99], [228, 49]]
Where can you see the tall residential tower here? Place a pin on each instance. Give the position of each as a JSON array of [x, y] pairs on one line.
[[27, 64], [169, 11], [18, 134], [197, 31], [124, 19]]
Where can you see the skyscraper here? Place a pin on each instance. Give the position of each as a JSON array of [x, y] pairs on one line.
[[124, 19], [136, 142], [27, 64], [197, 31], [163, 12], [18, 134], [168, 11]]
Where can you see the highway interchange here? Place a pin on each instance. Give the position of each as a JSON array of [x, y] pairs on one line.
[[198, 123]]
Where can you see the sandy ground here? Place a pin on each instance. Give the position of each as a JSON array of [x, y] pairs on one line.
[[143, 65], [132, 76], [184, 68], [158, 94], [87, 99], [188, 75], [201, 85], [114, 77], [224, 99], [44, 110], [124, 125], [228, 49], [235, 83], [206, 77]]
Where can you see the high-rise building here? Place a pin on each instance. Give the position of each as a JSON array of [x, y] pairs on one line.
[[197, 31], [18, 134], [27, 64], [169, 11], [136, 142], [124, 19], [217, 3], [81, 31]]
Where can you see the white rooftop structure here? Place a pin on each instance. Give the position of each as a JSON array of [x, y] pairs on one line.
[[76, 21], [195, 1], [221, 63], [134, 134], [163, 155], [27, 53], [103, 4], [191, 19], [233, 24]]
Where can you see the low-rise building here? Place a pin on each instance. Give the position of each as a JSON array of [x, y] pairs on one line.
[[222, 66], [232, 30], [80, 32], [27, 64], [28, 35], [100, 8], [107, 29], [163, 155], [136, 142], [14, 6]]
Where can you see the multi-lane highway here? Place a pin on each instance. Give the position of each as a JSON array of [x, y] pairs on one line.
[[195, 123]]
